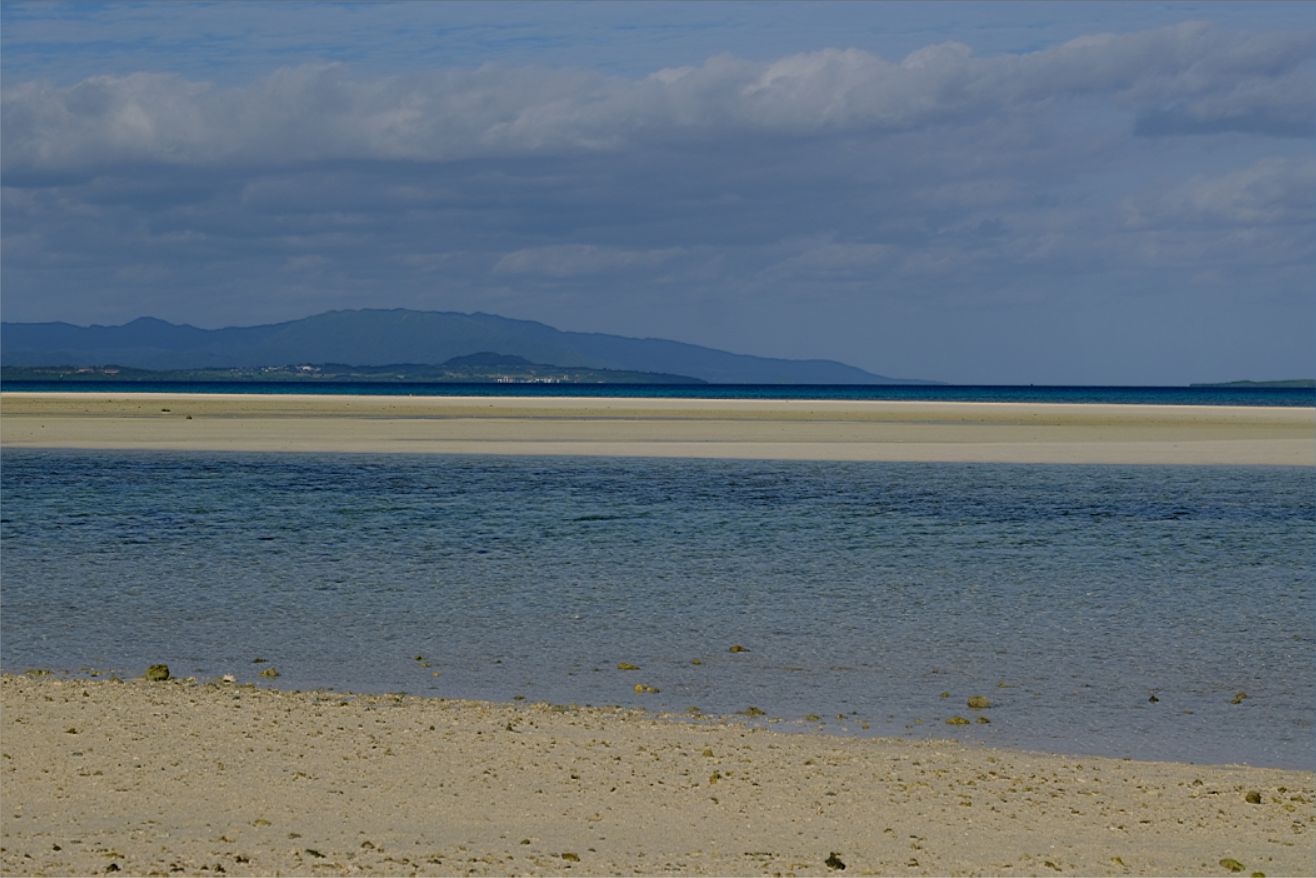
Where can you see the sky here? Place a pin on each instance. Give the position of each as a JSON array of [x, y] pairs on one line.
[[995, 193]]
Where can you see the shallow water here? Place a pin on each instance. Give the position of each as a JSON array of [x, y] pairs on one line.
[[861, 589]]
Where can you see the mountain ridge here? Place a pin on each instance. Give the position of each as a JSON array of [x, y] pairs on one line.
[[482, 368], [379, 336]]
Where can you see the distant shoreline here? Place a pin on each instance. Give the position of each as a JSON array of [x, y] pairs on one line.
[[1294, 397], [1285, 383], [792, 429]]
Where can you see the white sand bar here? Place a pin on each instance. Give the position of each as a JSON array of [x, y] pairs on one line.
[[176, 778], [751, 429]]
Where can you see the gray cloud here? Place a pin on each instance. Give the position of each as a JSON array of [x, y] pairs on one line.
[[1269, 192], [570, 260], [1283, 105]]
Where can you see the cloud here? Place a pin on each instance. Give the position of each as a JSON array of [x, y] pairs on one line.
[[1272, 191], [1283, 105], [1248, 226], [1186, 79], [571, 260], [835, 259]]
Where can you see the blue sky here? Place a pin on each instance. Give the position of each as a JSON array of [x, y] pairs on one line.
[[973, 192]]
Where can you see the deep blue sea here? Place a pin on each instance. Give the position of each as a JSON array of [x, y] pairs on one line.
[[1264, 396], [1068, 595]]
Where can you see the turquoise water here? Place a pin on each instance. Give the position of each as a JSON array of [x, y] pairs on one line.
[[1251, 396], [860, 589]]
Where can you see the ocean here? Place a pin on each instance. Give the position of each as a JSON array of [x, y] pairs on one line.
[[1114, 610], [1249, 396]]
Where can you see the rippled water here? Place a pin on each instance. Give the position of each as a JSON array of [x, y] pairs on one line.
[[862, 589]]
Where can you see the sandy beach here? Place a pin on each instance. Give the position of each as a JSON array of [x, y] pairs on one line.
[[750, 429], [159, 778]]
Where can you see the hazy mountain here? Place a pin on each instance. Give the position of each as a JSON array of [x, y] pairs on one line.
[[379, 337], [482, 368]]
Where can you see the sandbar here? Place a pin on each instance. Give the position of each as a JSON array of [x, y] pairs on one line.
[[194, 777], [713, 428]]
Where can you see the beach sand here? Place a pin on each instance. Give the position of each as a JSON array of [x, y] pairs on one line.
[[750, 429], [208, 778]]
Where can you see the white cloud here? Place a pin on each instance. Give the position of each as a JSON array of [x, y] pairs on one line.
[[1176, 80]]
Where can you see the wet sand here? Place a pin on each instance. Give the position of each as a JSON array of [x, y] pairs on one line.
[[750, 429], [209, 778]]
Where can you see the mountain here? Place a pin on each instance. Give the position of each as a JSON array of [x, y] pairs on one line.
[[378, 337], [483, 368]]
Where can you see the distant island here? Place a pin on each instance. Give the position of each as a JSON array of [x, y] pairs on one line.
[[1287, 382], [481, 368], [373, 338]]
